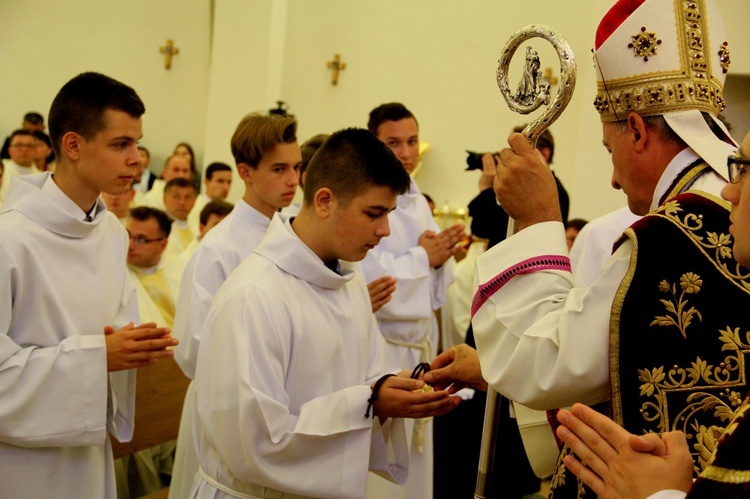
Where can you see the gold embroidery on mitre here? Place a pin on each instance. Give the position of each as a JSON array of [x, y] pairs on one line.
[[724, 57], [644, 44], [691, 86]]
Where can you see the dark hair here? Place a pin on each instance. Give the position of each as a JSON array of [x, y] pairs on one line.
[[309, 148], [576, 223], [393, 111], [34, 118], [192, 155], [257, 134], [179, 182], [144, 213], [217, 167], [45, 138], [220, 208], [351, 161], [544, 140], [80, 104], [22, 132]]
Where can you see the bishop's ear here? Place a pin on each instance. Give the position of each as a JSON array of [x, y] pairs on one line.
[[638, 129]]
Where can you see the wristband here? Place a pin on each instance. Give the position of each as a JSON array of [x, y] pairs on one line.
[[375, 391]]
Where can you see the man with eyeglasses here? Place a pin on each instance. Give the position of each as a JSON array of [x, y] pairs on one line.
[[21, 162], [32, 122], [648, 336], [156, 281]]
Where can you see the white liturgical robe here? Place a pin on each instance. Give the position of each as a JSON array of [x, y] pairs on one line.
[[283, 377], [219, 253], [408, 321], [593, 245], [61, 281], [12, 169], [542, 340]]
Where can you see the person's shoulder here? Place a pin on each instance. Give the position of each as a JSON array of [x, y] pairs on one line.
[[15, 227], [256, 278], [220, 240]]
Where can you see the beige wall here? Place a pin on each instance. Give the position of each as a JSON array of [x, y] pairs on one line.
[[44, 43], [437, 56]]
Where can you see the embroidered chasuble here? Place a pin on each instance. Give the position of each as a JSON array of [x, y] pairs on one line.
[[679, 329], [728, 472]]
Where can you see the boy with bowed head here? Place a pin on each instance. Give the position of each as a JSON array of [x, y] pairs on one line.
[[283, 397]]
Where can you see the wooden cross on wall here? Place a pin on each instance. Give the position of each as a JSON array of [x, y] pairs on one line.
[[336, 65], [169, 50]]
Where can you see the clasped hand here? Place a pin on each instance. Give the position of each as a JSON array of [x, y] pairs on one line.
[[440, 246], [137, 346], [616, 463]]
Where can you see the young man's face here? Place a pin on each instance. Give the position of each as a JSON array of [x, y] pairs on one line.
[[184, 153], [179, 201], [22, 149], [213, 219], [119, 204], [145, 159], [41, 151], [402, 137], [272, 185], [33, 127], [739, 195], [146, 253], [176, 167], [108, 161], [217, 187], [570, 236], [362, 223]]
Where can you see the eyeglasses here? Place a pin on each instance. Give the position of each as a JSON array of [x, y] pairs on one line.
[[737, 168], [144, 240]]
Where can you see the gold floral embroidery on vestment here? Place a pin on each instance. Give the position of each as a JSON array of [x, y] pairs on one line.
[[558, 478], [735, 421], [644, 44], [658, 383], [678, 314], [717, 246], [707, 439]]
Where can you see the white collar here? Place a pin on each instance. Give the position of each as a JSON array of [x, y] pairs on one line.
[[675, 167]]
